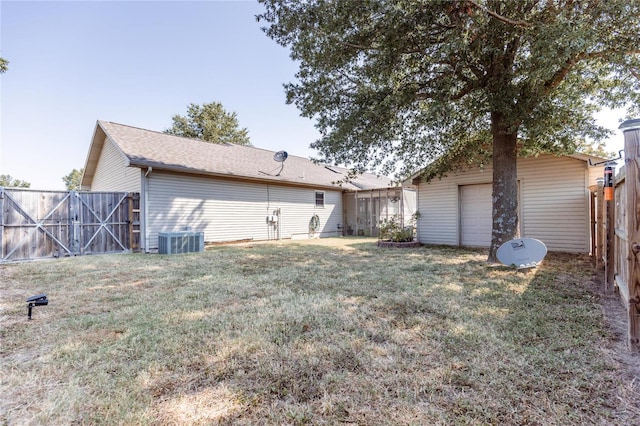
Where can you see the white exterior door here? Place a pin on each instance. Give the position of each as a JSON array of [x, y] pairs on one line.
[[475, 215]]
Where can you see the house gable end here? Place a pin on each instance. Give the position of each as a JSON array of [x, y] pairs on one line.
[[98, 141]]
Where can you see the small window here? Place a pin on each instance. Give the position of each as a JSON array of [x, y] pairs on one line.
[[319, 198]]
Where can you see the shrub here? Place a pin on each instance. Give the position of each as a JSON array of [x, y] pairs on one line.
[[391, 230]]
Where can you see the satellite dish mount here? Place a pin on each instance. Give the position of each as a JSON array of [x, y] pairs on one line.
[[280, 157], [612, 161]]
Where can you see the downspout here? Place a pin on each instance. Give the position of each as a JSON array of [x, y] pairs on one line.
[[417, 203], [370, 212], [145, 210], [403, 220], [345, 217], [357, 214], [386, 207], [378, 213]]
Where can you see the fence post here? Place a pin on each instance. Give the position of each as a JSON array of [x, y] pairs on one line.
[[609, 245], [593, 230], [600, 225], [73, 228], [631, 129]]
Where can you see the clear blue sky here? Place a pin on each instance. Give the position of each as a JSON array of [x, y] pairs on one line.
[[135, 63], [138, 63]]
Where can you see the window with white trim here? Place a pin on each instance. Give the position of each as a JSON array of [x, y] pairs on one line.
[[320, 199]]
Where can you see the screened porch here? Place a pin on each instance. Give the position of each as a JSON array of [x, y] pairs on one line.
[[365, 210]]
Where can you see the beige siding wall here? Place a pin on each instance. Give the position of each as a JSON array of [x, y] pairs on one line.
[[595, 173], [553, 203], [112, 172], [438, 205], [227, 210], [297, 206]]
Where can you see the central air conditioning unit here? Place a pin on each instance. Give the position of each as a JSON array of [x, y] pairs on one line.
[[180, 242]]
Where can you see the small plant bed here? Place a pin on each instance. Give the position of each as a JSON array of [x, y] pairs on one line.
[[398, 244], [393, 234]]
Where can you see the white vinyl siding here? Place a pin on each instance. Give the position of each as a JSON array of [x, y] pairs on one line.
[[594, 174], [475, 215], [553, 203], [297, 207], [228, 210], [438, 205], [112, 172]]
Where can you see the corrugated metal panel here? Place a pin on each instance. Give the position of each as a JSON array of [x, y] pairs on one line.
[[227, 210], [112, 172], [554, 203]]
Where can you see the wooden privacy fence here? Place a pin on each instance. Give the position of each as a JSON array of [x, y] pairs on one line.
[[40, 224], [617, 233]]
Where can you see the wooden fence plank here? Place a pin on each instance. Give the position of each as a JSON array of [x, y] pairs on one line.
[[631, 130], [37, 224], [609, 246], [600, 226], [593, 225], [1, 223], [134, 217]]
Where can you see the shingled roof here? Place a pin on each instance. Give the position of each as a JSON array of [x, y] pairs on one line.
[[146, 148]]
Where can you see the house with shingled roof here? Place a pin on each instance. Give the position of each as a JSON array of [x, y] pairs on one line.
[[232, 192], [555, 203]]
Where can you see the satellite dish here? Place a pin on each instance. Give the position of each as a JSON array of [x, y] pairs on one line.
[[280, 156], [522, 252]]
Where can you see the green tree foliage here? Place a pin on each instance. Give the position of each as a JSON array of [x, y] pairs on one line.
[[211, 123], [402, 83], [598, 149], [73, 180], [4, 65], [8, 181]]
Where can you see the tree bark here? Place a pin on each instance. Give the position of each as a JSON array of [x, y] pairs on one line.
[[505, 185]]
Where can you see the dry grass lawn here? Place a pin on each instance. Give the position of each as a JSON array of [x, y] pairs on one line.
[[299, 333]]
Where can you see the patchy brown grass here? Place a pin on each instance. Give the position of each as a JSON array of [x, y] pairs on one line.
[[299, 333]]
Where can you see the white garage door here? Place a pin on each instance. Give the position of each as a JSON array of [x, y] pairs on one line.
[[475, 215]]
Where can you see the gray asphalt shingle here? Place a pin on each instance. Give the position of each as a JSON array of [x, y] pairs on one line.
[[145, 148]]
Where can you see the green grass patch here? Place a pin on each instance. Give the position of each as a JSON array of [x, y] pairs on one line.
[[303, 334]]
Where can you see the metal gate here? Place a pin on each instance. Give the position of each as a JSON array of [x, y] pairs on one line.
[[40, 224]]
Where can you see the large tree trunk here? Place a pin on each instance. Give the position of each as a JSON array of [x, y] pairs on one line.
[[505, 186]]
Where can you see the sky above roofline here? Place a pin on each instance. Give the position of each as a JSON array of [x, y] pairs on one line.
[[139, 63], [136, 63]]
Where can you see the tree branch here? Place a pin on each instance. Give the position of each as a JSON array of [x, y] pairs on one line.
[[559, 76], [500, 17], [468, 88]]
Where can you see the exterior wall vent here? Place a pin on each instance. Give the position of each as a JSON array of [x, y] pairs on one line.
[[180, 242]]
